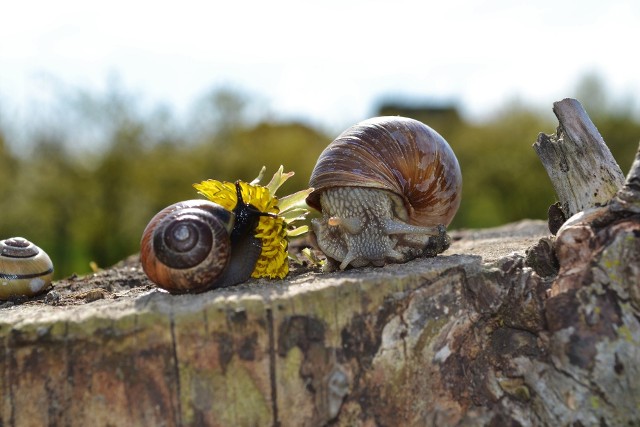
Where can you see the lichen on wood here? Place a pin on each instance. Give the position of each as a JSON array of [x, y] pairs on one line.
[[468, 338], [508, 327]]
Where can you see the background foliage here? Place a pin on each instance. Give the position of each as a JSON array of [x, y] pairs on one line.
[[86, 178]]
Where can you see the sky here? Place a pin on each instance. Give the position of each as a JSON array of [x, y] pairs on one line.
[[327, 62]]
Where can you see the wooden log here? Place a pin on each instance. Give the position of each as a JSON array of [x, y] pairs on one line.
[[467, 338], [584, 236], [508, 327], [582, 170], [627, 199], [259, 354], [598, 254]]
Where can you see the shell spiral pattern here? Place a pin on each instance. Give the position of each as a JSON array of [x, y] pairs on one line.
[[186, 246], [25, 269], [387, 187], [398, 154]]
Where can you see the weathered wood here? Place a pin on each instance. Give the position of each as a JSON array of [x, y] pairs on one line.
[[468, 338], [582, 170], [594, 306], [508, 327], [594, 301], [627, 199], [259, 354], [585, 235]]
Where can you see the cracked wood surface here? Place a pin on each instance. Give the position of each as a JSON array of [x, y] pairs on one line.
[[582, 170], [467, 338]]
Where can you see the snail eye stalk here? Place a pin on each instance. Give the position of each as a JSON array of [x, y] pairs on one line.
[[247, 215]]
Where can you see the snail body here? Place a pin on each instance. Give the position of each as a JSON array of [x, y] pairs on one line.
[[387, 188], [197, 245], [25, 269]]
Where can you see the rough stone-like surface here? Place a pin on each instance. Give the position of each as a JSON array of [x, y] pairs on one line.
[[467, 338]]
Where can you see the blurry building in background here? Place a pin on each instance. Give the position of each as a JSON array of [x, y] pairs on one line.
[[440, 117]]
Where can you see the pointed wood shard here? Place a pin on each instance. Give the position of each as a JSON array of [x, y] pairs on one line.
[[582, 170]]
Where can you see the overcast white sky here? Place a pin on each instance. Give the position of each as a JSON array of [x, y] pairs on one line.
[[327, 62]]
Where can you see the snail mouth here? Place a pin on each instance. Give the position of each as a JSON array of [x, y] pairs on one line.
[[13, 276]]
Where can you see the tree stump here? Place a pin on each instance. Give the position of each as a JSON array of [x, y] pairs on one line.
[[393, 345], [508, 327]]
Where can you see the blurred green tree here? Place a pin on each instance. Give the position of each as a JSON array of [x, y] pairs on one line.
[[616, 119], [88, 183]]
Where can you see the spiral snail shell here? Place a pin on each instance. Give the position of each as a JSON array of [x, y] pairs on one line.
[[25, 269], [196, 245], [387, 187]]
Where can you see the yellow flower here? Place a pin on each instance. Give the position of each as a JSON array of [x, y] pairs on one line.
[[273, 229]]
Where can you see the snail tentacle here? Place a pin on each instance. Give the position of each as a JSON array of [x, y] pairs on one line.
[[351, 225], [350, 257], [393, 226]]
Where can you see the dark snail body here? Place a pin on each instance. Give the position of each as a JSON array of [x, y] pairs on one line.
[[197, 245], [387, 188]]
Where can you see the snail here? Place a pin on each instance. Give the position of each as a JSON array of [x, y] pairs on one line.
[[25, 269], [387, 188], [240, 232]]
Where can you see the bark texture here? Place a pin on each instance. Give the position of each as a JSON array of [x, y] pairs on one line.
[[469, 338], [509, 327], [594, 301], [583, 172], [304, 352]]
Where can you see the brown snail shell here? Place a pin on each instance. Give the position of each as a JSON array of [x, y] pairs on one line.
[[384, 186], [192, 246], [25, 269]]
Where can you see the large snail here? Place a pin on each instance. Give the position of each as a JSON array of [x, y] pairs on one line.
[[240, 232], [25, 269], [387, 187]]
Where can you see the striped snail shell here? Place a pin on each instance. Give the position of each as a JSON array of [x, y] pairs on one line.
[[197, 245], [387, 187], [25, 269]]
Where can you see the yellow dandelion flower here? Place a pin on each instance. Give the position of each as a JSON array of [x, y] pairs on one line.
[[276, 216]]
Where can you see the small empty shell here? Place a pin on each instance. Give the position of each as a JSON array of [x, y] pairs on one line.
[[25, 269]]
